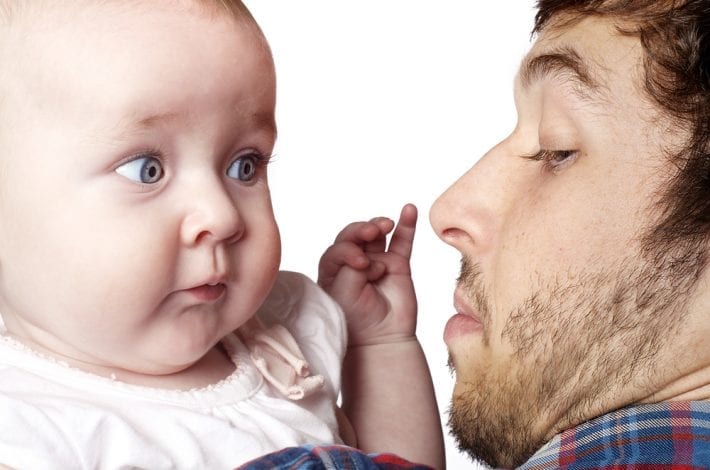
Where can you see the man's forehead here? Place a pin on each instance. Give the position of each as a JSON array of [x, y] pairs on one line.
[[583, 54]]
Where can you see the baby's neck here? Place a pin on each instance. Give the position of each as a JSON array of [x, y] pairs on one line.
[[209, 370]]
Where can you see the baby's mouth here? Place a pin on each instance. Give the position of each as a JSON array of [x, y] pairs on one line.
[[208, 292]]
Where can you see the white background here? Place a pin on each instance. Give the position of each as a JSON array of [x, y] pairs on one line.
[[383, 102]]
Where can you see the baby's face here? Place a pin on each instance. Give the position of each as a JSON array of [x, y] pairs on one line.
[[136, 226]]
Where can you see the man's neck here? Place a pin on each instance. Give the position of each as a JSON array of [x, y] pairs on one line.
[[693, 386]]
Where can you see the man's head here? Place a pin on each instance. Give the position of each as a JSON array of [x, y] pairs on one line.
[[583, 234]]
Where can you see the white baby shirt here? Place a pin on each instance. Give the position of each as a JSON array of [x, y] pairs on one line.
[[55, 416]]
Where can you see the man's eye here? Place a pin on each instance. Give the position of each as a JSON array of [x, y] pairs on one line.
[[244, 168], [554, 159], [146, 170]]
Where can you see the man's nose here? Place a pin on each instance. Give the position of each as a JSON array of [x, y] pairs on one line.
[[467, 215]]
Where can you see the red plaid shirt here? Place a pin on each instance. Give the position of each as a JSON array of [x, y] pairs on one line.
[[671, 435]]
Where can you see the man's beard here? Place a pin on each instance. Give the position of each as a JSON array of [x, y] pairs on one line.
[[578, 340]]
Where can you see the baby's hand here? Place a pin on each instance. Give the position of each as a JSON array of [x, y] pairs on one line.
[[372, 283]]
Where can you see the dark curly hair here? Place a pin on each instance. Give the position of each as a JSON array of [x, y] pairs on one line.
[[675, 36]]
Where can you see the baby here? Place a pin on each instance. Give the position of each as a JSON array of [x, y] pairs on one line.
[[145, 322]]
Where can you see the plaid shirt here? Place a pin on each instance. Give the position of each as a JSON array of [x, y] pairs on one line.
[[309, 457], [671, 435]]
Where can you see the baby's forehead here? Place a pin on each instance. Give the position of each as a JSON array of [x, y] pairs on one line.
[[112, 55], [34, 24]]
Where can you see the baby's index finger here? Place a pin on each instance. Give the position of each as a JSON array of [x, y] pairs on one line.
[[403, 236], [408, 215]]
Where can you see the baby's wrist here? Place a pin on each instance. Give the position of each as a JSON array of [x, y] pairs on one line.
[[388, 340], [393, 353]]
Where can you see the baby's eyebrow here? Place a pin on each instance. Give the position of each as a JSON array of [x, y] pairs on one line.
[[263, 121], [135, 123], [566, 63], [155, 119], [266, 121]]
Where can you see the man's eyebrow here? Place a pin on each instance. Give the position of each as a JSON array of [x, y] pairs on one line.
[[566, 63]]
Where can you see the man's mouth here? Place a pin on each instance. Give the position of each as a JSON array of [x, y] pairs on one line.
[[464, 322]]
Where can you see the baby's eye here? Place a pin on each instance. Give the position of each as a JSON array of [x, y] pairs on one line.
[[146, 170], [244, 168]]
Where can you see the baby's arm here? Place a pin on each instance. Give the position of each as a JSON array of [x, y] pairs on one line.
[[388, 394]]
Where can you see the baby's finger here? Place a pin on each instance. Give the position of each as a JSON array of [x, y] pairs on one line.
[[360, 233], [379, 244], [375, 271], [339, 255], [347, 287], [403, 236]]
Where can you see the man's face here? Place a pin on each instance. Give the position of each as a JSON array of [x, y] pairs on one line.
[[560, 317]]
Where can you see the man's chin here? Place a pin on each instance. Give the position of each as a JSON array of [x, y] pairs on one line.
[[468, 357], [491, 421]]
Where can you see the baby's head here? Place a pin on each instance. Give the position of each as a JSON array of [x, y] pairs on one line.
[[136, 226]]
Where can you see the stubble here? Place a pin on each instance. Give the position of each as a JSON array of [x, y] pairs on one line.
[[578, 341]]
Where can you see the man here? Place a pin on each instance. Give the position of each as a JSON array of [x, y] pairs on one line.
[[582, 333]]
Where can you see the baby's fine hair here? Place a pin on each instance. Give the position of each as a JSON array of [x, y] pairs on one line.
[[17, 15], [10, 9]]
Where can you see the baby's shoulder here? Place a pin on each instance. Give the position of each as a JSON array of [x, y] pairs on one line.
[[32, 412], [314, 320], [295, 299]]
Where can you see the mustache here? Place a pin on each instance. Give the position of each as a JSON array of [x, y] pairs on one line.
[[470, 272], [470, 280]]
